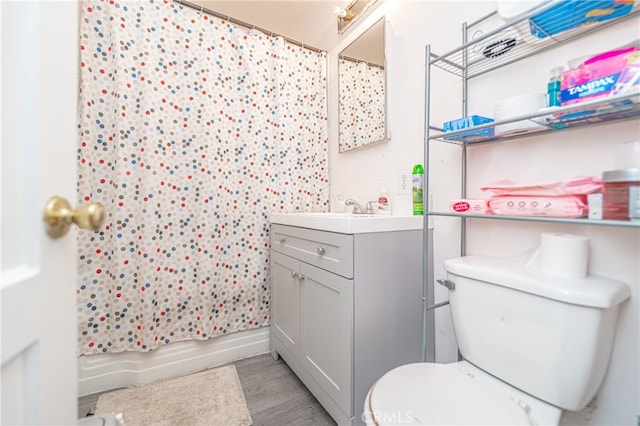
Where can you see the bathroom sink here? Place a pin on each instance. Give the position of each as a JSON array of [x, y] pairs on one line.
[[348, 223], [338, 215]]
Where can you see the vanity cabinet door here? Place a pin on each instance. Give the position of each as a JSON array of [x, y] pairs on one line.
[[285, 309], [327, 332]]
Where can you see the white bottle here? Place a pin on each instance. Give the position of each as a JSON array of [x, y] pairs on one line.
[[384, 202]]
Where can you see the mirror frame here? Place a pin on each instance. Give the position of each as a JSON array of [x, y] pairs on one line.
[[342, 145]]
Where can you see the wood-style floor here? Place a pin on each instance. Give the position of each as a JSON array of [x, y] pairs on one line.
[[274, 395]]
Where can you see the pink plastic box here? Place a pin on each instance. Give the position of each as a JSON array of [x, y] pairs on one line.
[[610, 73]]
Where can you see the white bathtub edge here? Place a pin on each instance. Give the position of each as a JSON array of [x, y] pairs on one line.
[[102, 372]]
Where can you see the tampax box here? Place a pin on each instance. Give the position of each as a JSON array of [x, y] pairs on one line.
[[611, 73]]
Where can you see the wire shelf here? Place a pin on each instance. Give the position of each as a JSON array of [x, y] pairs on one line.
[[578, 221], [599, 111], [524, 36]]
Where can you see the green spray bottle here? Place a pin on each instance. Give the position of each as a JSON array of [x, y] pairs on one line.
[[417, 184]]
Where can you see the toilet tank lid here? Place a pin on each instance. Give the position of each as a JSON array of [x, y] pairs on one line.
[[591, 291]]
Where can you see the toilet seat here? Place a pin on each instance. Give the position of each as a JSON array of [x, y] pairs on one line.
[[428, 393]]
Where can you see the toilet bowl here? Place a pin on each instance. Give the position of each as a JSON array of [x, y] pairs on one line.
[[457, 393], [532, 345]]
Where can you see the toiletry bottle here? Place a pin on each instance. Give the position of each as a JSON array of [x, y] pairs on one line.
[[384, 202], [417, 182], [554, 91]]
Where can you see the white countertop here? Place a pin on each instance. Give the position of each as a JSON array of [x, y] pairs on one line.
[[348, 223]]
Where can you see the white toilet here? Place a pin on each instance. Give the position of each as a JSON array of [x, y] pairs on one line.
[[533, 345]]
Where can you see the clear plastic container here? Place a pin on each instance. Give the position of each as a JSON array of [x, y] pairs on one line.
[[621, 190], [553, 87]]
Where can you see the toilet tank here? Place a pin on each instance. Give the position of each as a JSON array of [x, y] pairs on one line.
[[545, 335]]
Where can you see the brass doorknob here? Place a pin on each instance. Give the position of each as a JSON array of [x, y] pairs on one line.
[[58, 216]]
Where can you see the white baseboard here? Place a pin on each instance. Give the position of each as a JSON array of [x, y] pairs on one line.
[[102, 372]]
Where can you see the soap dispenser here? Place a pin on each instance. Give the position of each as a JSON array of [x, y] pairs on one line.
[[384, 202]]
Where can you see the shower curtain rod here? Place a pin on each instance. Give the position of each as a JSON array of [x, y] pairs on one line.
[[244, 24], [358, 61]]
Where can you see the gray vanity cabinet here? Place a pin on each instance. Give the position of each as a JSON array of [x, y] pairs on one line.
[[312, 306], [345, 308]]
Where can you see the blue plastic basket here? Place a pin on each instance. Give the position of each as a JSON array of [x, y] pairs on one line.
[[571, 14]]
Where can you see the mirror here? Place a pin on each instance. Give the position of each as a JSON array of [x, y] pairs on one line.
[[362, 84]]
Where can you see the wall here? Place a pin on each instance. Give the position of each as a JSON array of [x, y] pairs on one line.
[[311, 22], [614, 251]]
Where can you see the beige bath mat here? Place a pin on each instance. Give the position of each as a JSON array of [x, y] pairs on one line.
[[212, 397]]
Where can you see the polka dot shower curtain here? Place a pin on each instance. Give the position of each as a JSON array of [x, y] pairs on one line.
[[361, 103], [192, 130]]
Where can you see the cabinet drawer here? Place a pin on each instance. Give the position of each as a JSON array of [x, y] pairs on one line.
[[326, 250]]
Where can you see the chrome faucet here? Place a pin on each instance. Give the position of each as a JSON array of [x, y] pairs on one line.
[[357, 207]]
